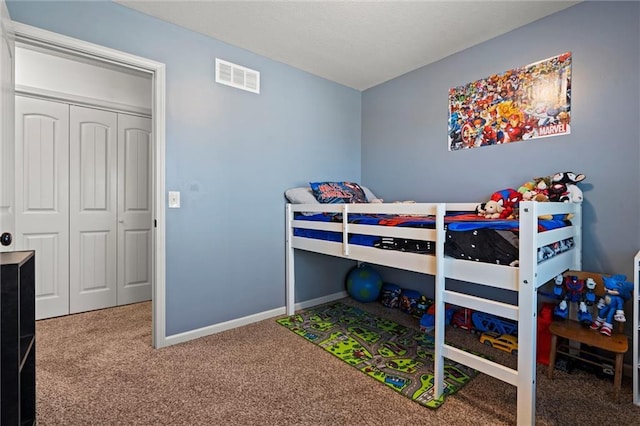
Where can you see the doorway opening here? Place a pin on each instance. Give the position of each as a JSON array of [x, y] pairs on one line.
[[110, 58]]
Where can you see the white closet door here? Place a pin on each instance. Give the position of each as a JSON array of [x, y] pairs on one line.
[[134, 209], [92, 209], [42, 198]]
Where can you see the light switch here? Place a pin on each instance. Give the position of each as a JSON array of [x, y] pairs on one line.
[[174, 199]]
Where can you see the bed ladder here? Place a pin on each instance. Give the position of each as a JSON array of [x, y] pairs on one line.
[[530, 278], [476, 362]]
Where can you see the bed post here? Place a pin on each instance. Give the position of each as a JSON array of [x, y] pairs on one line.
[[290, 299], [439, 287], [527, 313], [576, 222], [345, 230]]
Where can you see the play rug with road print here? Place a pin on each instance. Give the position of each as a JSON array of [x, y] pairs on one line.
[[398, 356]]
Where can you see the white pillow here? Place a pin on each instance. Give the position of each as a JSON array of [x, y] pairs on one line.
[[369, 194], [301, 195]]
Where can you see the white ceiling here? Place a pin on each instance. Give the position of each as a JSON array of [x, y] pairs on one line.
[[355, 43]]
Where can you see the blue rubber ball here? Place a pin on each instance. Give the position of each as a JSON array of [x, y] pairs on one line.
[[364, 283]]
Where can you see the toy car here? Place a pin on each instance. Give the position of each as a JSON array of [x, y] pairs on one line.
[[395, 381], [483, 321], [504, 342], [462, 319]]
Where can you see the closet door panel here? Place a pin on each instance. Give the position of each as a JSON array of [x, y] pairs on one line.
[[134, 209], [42, 198], [92, 209]]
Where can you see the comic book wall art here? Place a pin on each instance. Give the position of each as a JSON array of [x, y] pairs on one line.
[[525, 103]]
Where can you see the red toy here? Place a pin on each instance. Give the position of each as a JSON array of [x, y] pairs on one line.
[[462, 319], [502, 205], [544, 335]]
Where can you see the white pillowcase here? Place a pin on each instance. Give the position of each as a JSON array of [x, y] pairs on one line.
[[369, 194], [301, 195]]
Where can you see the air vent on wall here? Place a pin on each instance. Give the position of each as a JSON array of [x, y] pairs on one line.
[[237, 76]]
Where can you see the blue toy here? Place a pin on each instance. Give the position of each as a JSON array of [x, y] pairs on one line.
[[484, 322], [364, 283], [422, 305], [390, 296], [428, 319], [611, 306], [572, 290], [590, 297]]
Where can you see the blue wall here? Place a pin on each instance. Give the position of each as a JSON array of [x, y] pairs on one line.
[[233, 153], [404, 127], [230, 153]]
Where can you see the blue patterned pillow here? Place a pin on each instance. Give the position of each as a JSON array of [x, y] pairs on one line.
[[338, 192]]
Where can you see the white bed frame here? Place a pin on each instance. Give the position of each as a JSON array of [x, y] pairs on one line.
[[525, 278]]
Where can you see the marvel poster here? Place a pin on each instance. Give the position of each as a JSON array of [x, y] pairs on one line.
[[530, 102]]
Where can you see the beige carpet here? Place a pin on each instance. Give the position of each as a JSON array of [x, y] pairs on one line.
[[98, 368]]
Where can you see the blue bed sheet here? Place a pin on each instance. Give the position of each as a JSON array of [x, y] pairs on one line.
[[468, 236], [454, 222]]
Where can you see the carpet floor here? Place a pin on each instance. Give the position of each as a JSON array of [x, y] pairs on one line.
[[98, 368]]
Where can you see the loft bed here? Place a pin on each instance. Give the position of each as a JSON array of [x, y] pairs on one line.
[[532, 269]]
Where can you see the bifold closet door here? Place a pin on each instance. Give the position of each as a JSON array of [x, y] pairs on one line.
[[83, 202], [93, 186], [134, 209], [42, 198]]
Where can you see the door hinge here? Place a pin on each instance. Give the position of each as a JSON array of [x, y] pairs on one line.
[[155, 223]]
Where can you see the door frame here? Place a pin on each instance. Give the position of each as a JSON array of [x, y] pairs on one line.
[[58, 42], [7, 133]]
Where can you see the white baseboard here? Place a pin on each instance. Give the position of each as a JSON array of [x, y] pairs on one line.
[[250, 319], [321, 300]]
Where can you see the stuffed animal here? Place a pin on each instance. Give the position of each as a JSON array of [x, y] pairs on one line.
[[526, 188], [611, 306], [563, 187], [532, 189], [491, 209], [502, 205]]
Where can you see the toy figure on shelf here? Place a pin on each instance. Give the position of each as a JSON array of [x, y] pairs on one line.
[[571, 289], [590, 297], [611, 306]]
